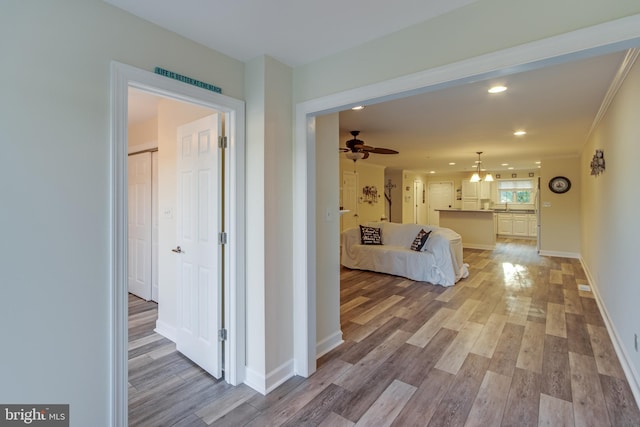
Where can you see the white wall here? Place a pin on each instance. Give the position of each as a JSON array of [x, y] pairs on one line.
[[54, 116], [479, 28], [560, 213], [269, 218], [396, 195], [328, 333], [368, 175], [610, 227], [143, 133]]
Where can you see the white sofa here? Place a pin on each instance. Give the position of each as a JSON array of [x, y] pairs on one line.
[[439, 262]]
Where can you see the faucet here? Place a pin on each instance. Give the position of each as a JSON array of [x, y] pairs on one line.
[[506, 206]]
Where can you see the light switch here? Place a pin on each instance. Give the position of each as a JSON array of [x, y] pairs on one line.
[[546, 204], [167, 213], [328, 215]]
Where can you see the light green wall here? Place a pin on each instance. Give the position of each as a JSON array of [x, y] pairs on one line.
[[54, 116], [610, 226]]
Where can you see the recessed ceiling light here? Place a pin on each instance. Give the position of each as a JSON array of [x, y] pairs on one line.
[[452, 163], [432, 171], [510, 168], [497, 89], [537, 163], [519, 133], [358, 107], [505, 164]]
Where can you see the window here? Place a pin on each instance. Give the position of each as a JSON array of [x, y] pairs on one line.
[[515, 191]]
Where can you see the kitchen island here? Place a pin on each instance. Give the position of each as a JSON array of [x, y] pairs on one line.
[[475, 226]]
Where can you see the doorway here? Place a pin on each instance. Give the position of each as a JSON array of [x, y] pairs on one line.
[[122, 78], [565, 47], [440, 197]]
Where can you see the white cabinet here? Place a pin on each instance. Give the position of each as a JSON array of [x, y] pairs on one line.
[[505, 223], [484, 191], [533, 225], [473, 193], [469, 190], [470, 204], [520, 225], [517, 224]]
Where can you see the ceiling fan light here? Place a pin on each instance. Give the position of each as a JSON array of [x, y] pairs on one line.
[[354, 155]]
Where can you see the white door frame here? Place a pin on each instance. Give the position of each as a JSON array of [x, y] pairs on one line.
[[125, 76], [599, 39]]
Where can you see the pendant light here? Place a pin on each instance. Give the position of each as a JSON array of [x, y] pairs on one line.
[[476, 175]]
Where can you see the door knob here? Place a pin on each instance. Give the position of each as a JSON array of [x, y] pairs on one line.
[[177, 250]]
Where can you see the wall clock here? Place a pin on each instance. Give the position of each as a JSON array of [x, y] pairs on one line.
[[559, 184]]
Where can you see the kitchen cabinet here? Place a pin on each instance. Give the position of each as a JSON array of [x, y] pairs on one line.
[[469, 190], [470, 204], [476, 190], [520, 224], [533, 225], [505, 223], [484, 190], [517, 224]]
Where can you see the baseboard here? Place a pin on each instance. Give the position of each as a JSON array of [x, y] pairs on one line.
[[326, 345], [561, 254], [267, 383], [166, 330], [632, 376], [478, 246]]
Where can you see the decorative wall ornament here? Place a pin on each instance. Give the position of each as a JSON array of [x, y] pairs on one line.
[[597, 163], [370, 194]]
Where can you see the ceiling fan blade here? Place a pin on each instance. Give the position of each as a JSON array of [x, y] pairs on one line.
[[382, 151], [343, 150], [363, 147], [366, 154]]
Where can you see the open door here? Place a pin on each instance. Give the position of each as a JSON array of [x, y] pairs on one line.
[[139, 218], [198, 252], [440, 197]]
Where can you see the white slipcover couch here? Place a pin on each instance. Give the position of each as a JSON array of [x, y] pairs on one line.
[[439, 262]]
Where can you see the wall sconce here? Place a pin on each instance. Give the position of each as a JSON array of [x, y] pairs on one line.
[[597, 163]]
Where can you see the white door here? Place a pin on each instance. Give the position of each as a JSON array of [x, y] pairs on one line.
[[419, 198], [198, 253], [350, 200], [440, 197], [154, 226], [139, 225]]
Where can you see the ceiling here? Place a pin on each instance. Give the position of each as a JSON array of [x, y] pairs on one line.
[[556, 105], [247, 29]]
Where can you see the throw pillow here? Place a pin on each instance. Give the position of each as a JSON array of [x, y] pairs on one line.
[[370, 235], [420, 240]]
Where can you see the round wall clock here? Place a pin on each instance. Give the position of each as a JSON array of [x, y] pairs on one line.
[[559, 184]]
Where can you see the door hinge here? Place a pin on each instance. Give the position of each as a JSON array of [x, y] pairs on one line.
[[222, 334], [222, 142], [222, 238]]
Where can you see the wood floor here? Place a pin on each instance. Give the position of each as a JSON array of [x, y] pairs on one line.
[[515, 344]]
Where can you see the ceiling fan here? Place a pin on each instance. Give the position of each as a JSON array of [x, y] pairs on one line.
[[356, 149]]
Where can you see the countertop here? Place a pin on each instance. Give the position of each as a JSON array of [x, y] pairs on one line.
[[516, 211]]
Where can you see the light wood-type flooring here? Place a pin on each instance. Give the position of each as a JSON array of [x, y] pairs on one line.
[[514, 344]]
